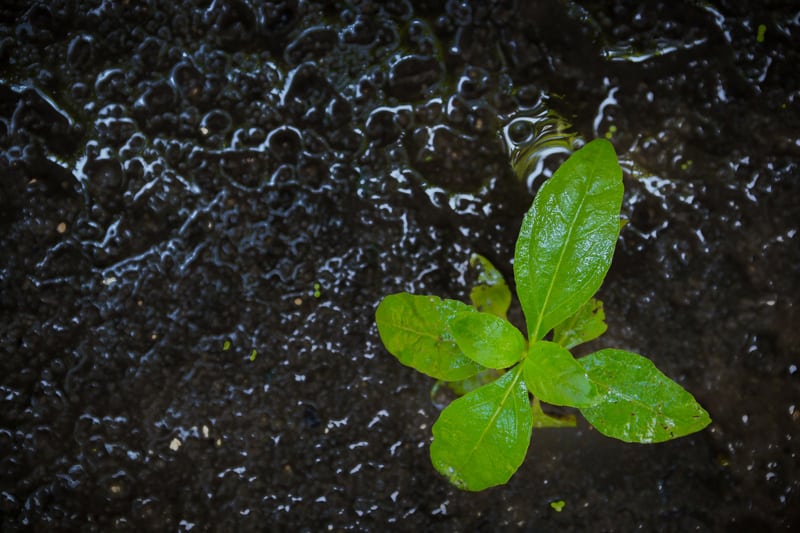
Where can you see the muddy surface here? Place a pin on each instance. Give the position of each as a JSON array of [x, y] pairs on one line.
[[202, 204]]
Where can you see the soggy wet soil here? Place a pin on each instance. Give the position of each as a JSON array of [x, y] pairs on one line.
[[201, 205]]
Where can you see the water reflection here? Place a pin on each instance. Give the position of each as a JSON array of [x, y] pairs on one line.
[[195, 235]]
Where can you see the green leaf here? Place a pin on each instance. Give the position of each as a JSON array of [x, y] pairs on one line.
[[488, 339], [567, 237], [415, 330], [481, 439], [558, 505], [640, 403], [492, 294], [543, 420], [554, 376], [586, 324], [471, 383]]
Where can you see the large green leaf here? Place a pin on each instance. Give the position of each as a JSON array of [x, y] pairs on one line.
[[491, 294], [640, 404], [488, 339], [481, 439], [555, 377], [567, 237], [415, 330], [587, 323]]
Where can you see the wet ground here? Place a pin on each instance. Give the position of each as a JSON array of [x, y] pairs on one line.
[[202, 204]]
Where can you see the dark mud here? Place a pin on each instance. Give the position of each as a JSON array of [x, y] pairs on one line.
[[202, 204]]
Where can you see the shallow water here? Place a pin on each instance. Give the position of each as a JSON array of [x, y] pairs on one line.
[[202, 205]]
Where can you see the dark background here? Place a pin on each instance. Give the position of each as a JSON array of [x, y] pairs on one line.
[[178, 180]]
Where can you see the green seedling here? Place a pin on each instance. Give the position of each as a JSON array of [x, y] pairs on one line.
[[563, 253]]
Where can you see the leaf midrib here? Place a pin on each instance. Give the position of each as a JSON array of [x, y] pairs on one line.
[[588, 177], [496, 413], [564, 247]]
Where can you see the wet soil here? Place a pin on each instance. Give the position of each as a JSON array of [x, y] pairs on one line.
[[202, 203]]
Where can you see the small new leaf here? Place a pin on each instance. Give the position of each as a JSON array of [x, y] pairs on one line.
[[543, 420], [588, 323], [485, 376], [481, 439], [491, 294], [415, 330], [555, 377], [488, 339], [639, 404]]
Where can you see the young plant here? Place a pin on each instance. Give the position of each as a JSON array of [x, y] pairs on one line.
[[563, 252]]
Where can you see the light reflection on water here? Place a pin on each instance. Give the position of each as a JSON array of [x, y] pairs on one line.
[[236, 229], [532, 135]]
